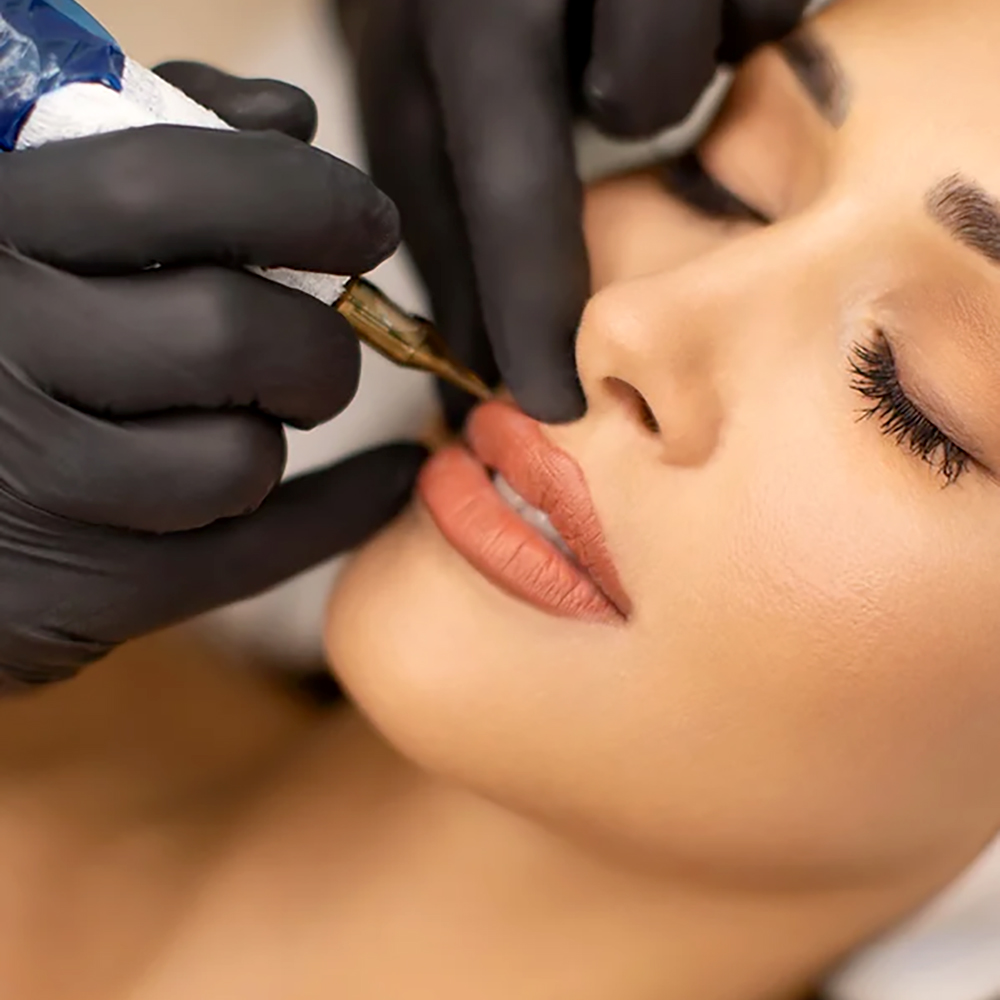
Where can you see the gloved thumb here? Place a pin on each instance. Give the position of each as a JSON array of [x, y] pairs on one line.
[[252, 105]]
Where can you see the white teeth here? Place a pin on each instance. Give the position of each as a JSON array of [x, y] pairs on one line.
[[538, 520]]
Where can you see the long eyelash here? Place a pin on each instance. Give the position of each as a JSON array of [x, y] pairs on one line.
[[875, 377], [687, 178]]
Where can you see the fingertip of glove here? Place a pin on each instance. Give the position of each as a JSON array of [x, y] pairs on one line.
[[749, 24], [248, 104], [615, 110], [386, 228], [557, 400], [557, 411], [271, 104], [407, 458], [611, 111]]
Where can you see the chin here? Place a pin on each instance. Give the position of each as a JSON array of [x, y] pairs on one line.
[[462, 679], [399, 639]]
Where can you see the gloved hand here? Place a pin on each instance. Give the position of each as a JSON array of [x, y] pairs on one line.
[[142, 410], [468, 108]]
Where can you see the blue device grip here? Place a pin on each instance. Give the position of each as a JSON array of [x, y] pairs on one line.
[[45, 45]]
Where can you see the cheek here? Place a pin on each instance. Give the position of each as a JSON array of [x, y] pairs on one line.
[[820, 644]]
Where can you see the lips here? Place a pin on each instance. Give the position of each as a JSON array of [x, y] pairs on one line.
[[463, 501]]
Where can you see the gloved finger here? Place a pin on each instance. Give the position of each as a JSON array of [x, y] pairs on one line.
[[171, 472], [408, 156], [170, 578], [350, 17], [502, 82], [748, 24], [171, 195], [651, 62], [303, 523], [207, 339], [257, 105]]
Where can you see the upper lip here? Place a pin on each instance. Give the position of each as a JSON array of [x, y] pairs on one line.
[[508, 441]]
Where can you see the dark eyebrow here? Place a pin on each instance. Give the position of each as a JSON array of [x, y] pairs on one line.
[[968, 213], [819, 72]]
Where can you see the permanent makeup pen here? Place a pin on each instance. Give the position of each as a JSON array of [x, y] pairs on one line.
[[403, 338], [64, 77]]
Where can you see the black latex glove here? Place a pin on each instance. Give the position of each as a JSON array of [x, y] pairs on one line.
[[468, 108], [142, 411]]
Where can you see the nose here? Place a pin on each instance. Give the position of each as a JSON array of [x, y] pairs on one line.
[[649, 349]]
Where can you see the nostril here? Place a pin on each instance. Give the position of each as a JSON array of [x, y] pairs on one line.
[[634, 402]]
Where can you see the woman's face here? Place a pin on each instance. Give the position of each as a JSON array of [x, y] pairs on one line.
[[808, 683]]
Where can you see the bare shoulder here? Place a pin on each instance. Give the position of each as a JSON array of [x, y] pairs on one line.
[[168, 716]]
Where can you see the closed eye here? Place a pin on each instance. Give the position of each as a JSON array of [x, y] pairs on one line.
[[686, 178]]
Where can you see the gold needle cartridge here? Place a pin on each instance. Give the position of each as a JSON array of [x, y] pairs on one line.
[[407, 340]]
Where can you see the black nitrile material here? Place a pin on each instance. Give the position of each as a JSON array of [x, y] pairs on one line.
[[146, 378]]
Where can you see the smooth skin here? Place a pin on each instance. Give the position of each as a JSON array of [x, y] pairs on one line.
[[790, 745]]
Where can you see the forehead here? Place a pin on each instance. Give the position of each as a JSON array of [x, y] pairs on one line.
[[916, 29], [924, 83]]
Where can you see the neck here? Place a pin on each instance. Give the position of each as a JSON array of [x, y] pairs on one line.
[[416, 888]]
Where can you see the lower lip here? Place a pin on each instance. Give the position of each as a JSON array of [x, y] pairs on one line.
[[459, 494]]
